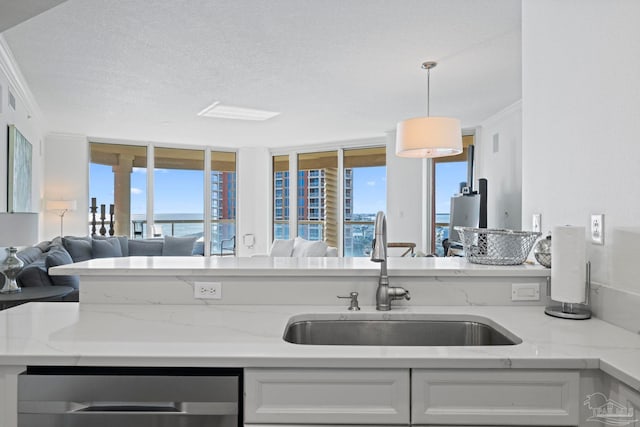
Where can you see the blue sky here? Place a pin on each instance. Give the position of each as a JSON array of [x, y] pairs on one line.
[[179, 191]]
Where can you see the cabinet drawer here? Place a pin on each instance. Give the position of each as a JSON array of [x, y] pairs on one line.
[[495, 397], [327, 396]]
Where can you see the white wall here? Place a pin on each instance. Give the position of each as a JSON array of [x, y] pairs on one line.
[[28, 121], [253, 200], [66, 178], [405, 187], [501, 164], [581, 121]]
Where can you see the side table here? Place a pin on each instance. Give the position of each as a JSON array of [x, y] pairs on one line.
[[36, 293]]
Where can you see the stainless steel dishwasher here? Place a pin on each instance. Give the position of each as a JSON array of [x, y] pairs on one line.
[[127, 397]]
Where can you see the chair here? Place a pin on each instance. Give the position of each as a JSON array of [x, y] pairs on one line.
[[410, 247], [230, 249]]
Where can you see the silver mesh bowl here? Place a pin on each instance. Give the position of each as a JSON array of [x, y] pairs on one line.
[[496, 246]]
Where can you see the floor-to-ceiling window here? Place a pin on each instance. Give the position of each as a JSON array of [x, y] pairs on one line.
[[317, 201], [364, 194], [449, 175], [280, 190], [117, 176], [223, 203], [178, 203], [333, 195]]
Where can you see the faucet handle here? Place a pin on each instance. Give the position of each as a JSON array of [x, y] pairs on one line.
[[353, 296]]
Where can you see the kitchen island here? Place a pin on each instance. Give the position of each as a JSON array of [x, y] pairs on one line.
[[558, 360]]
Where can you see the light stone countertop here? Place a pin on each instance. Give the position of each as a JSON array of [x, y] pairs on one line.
[[251, 336], [274, 266]]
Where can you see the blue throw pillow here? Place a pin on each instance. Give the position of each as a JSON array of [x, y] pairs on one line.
[[30, 254], [59, 256], [107, 248], [178, 246], [124, 242], [35, 274], [146, 247], [79, 249]]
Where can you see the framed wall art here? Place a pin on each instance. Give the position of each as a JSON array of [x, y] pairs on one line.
[[19, 172]]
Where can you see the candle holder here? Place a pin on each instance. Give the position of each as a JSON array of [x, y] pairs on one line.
[[103, 230], [93, 209], [111, 213]]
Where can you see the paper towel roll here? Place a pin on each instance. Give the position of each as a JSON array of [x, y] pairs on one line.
[[568, 264]]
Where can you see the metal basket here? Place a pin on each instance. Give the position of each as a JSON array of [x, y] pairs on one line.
[[496, 246]]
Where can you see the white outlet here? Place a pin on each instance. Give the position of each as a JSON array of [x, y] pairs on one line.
[[597, 229], [536, 223], [207, 290]]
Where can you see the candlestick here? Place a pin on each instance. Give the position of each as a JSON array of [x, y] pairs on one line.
[[93, 202]]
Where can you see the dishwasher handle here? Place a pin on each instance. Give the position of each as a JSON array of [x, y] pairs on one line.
[[113, 408]]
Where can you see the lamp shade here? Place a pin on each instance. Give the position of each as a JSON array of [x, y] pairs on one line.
[[18, 229], [61, 205], [425, 137]]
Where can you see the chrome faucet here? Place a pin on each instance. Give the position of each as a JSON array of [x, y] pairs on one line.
[[385, 294]]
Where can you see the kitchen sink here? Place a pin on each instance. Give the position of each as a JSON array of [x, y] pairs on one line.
[[401, 330]]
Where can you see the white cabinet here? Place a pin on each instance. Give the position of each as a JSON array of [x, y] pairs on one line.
[[439, 397], [614, 403], [326, 396], [495, 397]]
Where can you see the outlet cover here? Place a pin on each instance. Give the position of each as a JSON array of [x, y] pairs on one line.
[[525, 292], [207, 290], [597, 229]]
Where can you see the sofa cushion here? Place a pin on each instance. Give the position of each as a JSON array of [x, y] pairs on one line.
[[282, 248], [59, 256], [124, 242], [30, 254], [178, 246], [106, 248], [34, 274], [308, 248], [79, 248], [145, 247]]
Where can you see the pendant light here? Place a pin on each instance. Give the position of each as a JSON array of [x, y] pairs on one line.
[[425, 137]]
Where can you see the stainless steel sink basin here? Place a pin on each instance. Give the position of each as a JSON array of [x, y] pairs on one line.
[[404, 330]]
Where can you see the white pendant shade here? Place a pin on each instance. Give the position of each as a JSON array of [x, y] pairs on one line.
[[429, 137]]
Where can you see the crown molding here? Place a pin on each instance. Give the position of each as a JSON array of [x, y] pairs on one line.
[[17, 82]]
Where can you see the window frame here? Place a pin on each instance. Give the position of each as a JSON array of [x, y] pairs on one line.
[[293, 183]]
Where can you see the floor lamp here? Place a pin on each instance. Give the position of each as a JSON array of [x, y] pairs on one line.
[[62, 206], [16, 229]]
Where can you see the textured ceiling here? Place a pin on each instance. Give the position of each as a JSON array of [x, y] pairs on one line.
[[13, 12], [335, 69]]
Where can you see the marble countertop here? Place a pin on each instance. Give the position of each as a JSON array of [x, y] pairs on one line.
[[270, 266], [251, 336]]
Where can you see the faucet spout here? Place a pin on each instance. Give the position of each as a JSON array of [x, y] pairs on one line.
[[384, 294], [379, 246]]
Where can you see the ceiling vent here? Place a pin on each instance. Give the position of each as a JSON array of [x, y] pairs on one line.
[[219, 111]]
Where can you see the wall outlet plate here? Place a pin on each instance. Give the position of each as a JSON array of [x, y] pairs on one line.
[[207, 290], [597, 229], [525, 292]]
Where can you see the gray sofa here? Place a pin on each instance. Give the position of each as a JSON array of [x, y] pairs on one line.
[[69, 249]]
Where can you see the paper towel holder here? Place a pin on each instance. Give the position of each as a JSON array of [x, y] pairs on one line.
[[567, 310]]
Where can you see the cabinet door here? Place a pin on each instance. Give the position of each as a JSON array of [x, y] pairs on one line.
[[327, 396], [495, 397]]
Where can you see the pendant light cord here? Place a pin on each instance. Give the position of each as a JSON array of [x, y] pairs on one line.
[[428, 90]]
